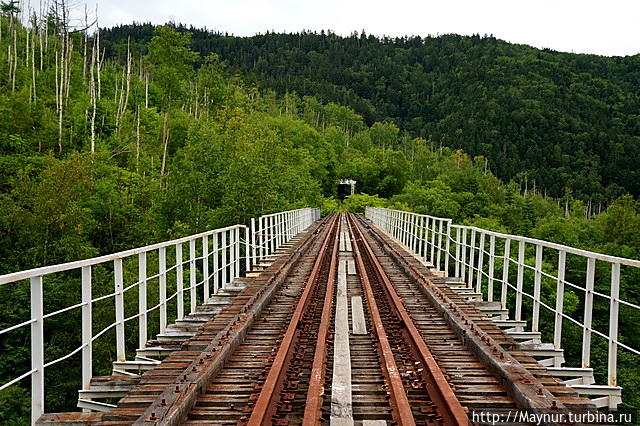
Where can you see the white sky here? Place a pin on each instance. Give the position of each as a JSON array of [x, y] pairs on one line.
[[604, 27]]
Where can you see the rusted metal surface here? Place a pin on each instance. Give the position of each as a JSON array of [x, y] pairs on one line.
[[265, 404], [399, 401], [312, 413], [264, 358], [446, 403], [530, 391], [228, 329]]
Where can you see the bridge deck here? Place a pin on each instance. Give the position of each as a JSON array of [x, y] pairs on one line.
[[402, 344]]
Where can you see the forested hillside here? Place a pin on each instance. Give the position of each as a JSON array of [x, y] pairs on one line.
[[568, 124], [100, 153]]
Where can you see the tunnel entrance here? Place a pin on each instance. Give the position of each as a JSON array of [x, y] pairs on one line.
[[346, 187]]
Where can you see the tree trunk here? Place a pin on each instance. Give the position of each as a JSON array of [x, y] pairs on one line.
[[138, 139], [165, 137]]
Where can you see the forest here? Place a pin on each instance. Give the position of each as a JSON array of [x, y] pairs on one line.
[[128, 136], [564, 123]]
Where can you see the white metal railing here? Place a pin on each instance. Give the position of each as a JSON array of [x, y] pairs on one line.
[[270, 231], [445, 245], [213, 259]]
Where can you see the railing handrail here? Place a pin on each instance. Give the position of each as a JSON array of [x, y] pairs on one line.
[[556, 246], [440, 242], [549, 244], [272, 232], [46, 270]]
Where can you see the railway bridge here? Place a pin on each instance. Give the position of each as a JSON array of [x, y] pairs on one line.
[[388, 318]]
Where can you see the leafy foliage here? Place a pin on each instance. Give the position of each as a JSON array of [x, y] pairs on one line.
[[183, 144], [562, 122]]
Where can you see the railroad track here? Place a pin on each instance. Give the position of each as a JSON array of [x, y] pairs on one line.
[[347, 329]]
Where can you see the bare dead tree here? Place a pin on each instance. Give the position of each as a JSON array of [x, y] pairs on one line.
[[93, 93], [146, 90], [138, 138], [33, 56], [165, 141], [123, 99], [86, 41]]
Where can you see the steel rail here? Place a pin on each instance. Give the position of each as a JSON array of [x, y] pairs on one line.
[[447, 404], [312, 411], [520, 383], [172, 406], [265, 403], [400, 406]]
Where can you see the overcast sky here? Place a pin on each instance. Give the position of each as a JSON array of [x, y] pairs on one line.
[[604, 27]]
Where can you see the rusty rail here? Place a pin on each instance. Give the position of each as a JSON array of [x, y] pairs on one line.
[[399, 400], [312, 411], [447, 404], [264, 405]]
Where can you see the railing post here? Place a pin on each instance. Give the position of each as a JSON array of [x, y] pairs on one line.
[[277, 219], [37, 349], [520, 280], [216, 266], [439, 252], [237, 252], [276, 231], [588, 312], [480, 263], [285, 228], [463, 260], [261, 236], [247, 250], [223, 279], [447, 253], [613, 325], [409, 230], [392, 219], [232, 252], [434, 232], [273, 235], [162, 290], [405, 226], [505, 273], [458, 239], [205, 268], [281, 228], [267, 236], [414, 232], [87, 332], [535, 319], [119, 301], [292, 224], [179, 282], [192, 276], [254, 250], [396, 225], [557, 330], [142, 300], [423, 236], [472, 257], [492, 261]]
